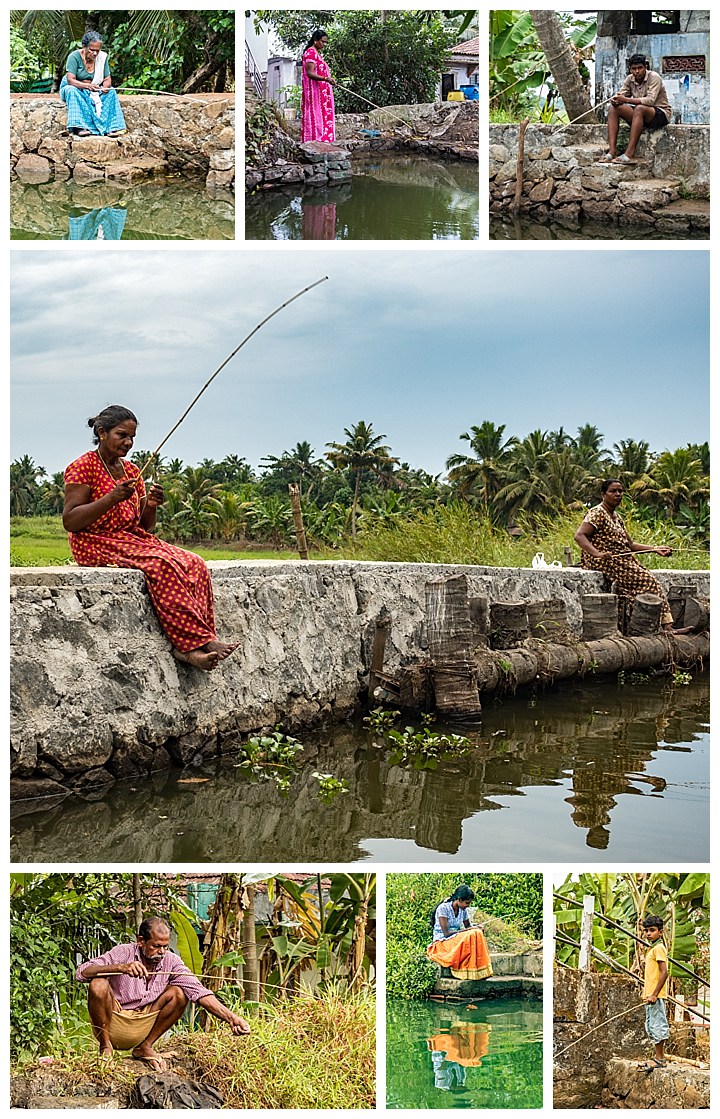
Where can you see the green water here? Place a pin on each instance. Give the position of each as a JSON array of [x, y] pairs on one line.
[[587, 772], [522, 228], [394, 197], [498, 1046], [172, 209]]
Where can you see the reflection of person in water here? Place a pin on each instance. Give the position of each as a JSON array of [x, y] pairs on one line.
[[456, 944], [456, 1048], [105, 224]]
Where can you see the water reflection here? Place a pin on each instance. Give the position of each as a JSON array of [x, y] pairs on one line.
[[519, 227], [396, 197], [167, 209], [585, 771], [486, 1056]]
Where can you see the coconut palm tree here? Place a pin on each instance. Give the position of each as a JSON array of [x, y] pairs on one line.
[[524, 490], [296, 465], [483, 473], [24, 489], [632, 459], [675, 479], [561, 61], [362, 453]]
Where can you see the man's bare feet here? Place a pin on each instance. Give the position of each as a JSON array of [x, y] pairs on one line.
[[106, 1054], [148, 1055], [198, 658], [222, 648]]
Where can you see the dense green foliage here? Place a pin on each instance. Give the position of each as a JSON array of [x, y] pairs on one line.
[[682, 900], [502, 499], [173, 51], [389, 57], [521, 81], [411, 901]]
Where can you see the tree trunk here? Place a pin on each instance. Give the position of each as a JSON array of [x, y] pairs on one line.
[[137, 901], [251, 967], [353, 514], [203, 73], [563, 66], [223, 936]]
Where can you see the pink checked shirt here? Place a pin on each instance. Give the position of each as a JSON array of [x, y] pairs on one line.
[[133, 993]]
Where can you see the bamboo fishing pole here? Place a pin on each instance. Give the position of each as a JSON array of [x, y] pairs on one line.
[[374, 106], [220, 367]]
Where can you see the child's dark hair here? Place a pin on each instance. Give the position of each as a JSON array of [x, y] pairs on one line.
[[463, 893], [653, 922]]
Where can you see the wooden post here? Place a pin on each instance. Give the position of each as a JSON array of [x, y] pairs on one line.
[[599, 616], [382, 627], [297, 517], [251, 976], [586, 930], [645, 617], [137, 901], [450, 644], [519, 170]]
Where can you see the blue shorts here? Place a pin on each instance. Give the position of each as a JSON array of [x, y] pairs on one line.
[[656, 1023]]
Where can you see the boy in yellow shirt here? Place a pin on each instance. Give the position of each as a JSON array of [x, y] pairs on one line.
[[655, 990]]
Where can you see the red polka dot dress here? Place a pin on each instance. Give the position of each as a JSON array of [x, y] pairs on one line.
[[178, 581]]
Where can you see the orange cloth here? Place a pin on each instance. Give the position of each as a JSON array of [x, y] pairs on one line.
[[466, 1043], [466, 954]]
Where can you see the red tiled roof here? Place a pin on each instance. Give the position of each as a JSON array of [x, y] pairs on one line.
[[469, 47]]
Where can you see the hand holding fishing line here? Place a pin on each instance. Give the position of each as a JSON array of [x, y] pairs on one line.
[[220, 367]]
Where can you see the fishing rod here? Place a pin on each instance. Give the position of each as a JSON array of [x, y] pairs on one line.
[[220, 367], [383, 109]]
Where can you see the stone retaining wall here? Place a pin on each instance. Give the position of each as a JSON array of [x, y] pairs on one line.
[[96, 693], [514, 974], [192, 135], [563, 179]]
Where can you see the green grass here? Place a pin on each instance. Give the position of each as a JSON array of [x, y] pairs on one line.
[[301, 1053]]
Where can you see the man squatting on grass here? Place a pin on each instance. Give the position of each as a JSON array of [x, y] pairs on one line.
[[655, 990], [138, 991], [642, 102]]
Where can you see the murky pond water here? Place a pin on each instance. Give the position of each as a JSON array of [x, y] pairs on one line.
[[169, 210], [446, 1056], [396, 197], [522, 228], [588, 771]]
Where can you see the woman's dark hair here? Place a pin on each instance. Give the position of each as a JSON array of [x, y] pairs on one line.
[[317, 34], [91, 37], [608, 483], [146, 929], [110, 417], [463, 893], [637, 60]]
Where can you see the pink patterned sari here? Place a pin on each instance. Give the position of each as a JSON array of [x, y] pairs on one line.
[[318, 103]]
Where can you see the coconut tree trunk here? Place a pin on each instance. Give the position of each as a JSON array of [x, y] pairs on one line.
[[251, 968], [356, 496], [563, 66]]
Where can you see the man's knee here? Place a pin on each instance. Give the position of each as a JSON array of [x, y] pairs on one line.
[[98, 988], [179, 998]]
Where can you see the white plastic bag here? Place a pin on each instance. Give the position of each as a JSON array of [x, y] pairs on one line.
[[539, 561]]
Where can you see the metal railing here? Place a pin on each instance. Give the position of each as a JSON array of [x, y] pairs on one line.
[[257, 78]]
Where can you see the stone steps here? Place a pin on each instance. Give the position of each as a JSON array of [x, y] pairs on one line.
[[495, 986]]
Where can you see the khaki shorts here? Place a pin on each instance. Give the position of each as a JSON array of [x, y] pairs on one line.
[[128, 1028]]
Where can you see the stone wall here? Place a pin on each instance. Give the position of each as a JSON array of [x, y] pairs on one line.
[[515, 974], [96, 693], [191, 135], [564, 180], [678, 1086]]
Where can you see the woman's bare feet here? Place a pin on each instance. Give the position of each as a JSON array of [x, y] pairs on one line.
[[198, 658], [677, 632], [147, 1054], [222, 648]]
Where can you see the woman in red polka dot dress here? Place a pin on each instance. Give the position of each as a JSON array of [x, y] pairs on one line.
[[110, 519]]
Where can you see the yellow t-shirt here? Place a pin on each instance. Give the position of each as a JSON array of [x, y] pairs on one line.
[[655, 954]]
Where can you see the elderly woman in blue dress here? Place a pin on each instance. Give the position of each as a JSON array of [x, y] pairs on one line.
[[86, 89]]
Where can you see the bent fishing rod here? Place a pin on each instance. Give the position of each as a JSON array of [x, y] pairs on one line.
[[374, 106], [220, 367]]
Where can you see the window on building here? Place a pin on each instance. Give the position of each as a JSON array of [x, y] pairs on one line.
[[654, 23]]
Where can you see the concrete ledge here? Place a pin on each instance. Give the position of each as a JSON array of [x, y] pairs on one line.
[[95, 689]]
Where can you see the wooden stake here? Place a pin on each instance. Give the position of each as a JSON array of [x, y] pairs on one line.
[[294, 491], [519, 172]]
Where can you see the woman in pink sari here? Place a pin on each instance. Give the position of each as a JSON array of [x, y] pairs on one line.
[[318, 103]]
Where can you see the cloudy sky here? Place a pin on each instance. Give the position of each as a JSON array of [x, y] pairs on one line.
[[421, 343]]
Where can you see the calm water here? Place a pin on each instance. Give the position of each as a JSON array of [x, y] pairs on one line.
[[522, 228], [395, 197], [442, 1056], [169, 209], [588, 772]]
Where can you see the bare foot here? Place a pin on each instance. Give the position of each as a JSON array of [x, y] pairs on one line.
[[222, 648], [198, 658], [148, 1055], [106, 1054], [677, 632]]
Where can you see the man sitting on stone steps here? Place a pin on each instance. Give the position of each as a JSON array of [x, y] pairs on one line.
[[138, 991], [641, 102]]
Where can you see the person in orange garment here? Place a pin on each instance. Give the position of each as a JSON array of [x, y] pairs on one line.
[[456, 944]]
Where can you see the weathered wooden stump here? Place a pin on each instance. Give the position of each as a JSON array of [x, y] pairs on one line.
[[645, 617], [600, 616], [547, 618], [509, 625], [450, 643]]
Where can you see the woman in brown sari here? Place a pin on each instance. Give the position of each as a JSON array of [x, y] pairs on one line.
[[606, 546]]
